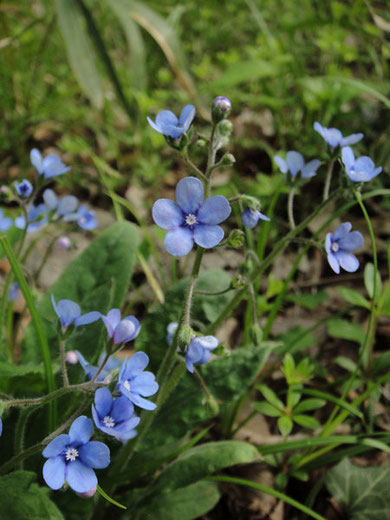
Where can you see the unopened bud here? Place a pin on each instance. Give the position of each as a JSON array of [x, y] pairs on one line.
[[72, 357], [236, 238], [185, 336], [238, 282], [225, 127], [64, 243], [220, 109], [228, 159]]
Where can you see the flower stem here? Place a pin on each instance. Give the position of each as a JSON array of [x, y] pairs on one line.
[[328, 180], [290, 208], [63, 363]]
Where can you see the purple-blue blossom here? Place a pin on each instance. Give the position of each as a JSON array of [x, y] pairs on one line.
[[334, 137], [361, 169], [168, 124], [69, 312], [24, 188], [295, 163], [134, 383], [36, 217], [90, 370], [198, 351], [84, 217], [5, 222], [339, 246], [191, 219], [250, 217], [73, 457], [59, 208], [13, 292], [114, 417], [50, 166], [120, 331]]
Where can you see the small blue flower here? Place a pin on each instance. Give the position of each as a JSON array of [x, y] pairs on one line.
[[295, 163], [114, 417], [120, 331], [250, 217], [171, 330], [5, 222], [361, 169], [168, 124], [334, 137], [69, 312], [24, 189], [50, 166], [198, 351], [223, 103], [85, 218], [339, 246], [74, 457], [134, 383], [192, 219], [62, 207], [13, 292], [64, 243], [105, 375], [37, 217]]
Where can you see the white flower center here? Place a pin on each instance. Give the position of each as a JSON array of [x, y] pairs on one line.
[[335, 247], [190, 219], [109, 421], [126, 384], [71, 454]]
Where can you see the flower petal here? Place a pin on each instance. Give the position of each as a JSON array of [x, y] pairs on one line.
[[141, 402], [81, 430], [347, 261], [67, 311], [179, 241], [310, 169], [144, 384], [250, 218], [332, 136], [214, 210], [342, 230], [122, 409], [154, 126], [351, 139], [186, 117], [53, 166], [167, 214], [207, 342], [87, 318], [328, 243], [334, 264], [194, 351], [347, 157], [138, 362], [103, 401], [319, 128], [295, 162], [354, 240], [189, 364], [80, 478], [189, 194], [36, 159], [54, 472], [281, 163], [208, 236], [166, 117], [95, 454], [56, 446], [124, 332], [67, 204], [50, 199]]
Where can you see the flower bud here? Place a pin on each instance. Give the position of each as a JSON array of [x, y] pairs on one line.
[[238, 282], [236, 238], [220, 109], [225, 127], [71, 357], [228, 159], [186, 334], [64, 243]]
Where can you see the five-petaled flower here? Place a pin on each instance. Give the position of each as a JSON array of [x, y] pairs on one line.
[[334, 137], [339, 246], [74, 457], [134, 383], [69, 312], [24, 188], [168, 124], [361, 169], [295, 163], [120, 331], [5, 222], [198, 350], [50, 166], [90, 370], [114, 417], [191, 219], [250, 217]]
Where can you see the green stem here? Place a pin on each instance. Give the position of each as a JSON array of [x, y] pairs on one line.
[[328, 180], [290, 208], [64, 370]]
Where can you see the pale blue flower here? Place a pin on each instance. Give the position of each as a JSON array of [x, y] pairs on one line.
[[339, 246], [361, 169], [5, 222], [295, 163], [69, 312], [198, 351], [120, 331], [168, 124], [50, 166], [250, 217], [134, 383], [62, 207], [85, 218], [334, 137], [37, 217], [24, 188]]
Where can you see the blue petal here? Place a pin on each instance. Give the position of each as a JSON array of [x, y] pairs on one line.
[[167, 214], [154, 126], [319, 128], [54, 472], [89, 369], [87, 318], [136, 324], [332, 136], [141, 402], [189, 364], [53, 166], [207, 342], [144, 384], [208, 236], [347, 157], [310, 169], [351, 139], [179, 241], [172, 131], [166, 117], [95, 454], [352, 241], [111, 321], [328, 243], [122, 409], [50, 199], [67, 205], [333, 262], [214, 210], [127, 425], [205, 358], [36, 159], [103, 401], [186, 117], [81, 430], [250, 218], [194, 351], [138, 362], [80, 478], [189, 194], [56, 446], [347, 261], [342, 230], [6, 223], [124, 332], [295, 162], [281, 163], [67, 311]]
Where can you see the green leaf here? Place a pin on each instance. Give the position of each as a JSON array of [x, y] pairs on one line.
[[369, 282], [203, 460], [344, 329], [187, 503], [309, 404], [297, 338], [361, 492], [353, 297], [385, 300], [307, 421], [79, 49], [345, 363], [267, 409], [285, 425], [309, 301], [270, 396], [22, 499]]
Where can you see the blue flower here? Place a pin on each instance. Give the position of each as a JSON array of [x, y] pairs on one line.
[[36, 216], [74, 457], [13, 292], [63, 207], [198, 351], [361, 169], [334, 137], [114, 417], [50, 166], [120, 331], [192, 219], [112, 364], [85, 218], [24, 189], [134, 383], [168, 124], [295, 163], [69, 312], [171, 330], [5, 222], [339, 246], [250, 217]]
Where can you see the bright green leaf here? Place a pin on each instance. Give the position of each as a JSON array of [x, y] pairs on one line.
[[353, 297], [285, 425]]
